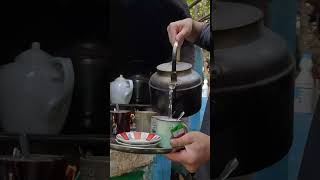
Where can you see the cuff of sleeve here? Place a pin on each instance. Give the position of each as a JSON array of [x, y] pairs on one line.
[[204, 39]]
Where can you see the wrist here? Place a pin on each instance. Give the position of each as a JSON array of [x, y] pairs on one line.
[[196, 31]]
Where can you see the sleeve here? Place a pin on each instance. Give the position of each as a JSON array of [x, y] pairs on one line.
[[205, 40], [176, 9]]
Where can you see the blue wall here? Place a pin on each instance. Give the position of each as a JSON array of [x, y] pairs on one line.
[[282, 20]]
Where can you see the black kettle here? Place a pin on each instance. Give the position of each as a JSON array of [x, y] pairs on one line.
[[141, 93], [90, 98], [187, 90]]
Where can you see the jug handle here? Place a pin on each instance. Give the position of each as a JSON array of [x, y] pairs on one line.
[[130, 86], [68, 74]]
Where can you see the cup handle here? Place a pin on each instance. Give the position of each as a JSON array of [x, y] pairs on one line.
[[185, 127], [130, 83], [132, 118]]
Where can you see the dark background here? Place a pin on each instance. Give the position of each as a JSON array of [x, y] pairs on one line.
[[54, 23], [60, 24], [57, 25]]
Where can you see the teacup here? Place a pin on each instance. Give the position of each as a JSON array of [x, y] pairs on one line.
[[142, 120], [164, 126], [121, 119]]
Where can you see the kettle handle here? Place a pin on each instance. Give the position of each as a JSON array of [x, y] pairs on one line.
[[68, 74], [175, 59]]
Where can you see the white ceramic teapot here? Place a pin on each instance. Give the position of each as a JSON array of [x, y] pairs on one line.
[[36, 92], [121, 90]]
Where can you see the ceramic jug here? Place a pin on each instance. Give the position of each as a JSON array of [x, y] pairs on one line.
[[36, 91], [121, 90]]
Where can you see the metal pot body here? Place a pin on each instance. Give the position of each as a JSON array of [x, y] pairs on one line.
[[140, 89], [93, 93], [253, 90], [188, 101], [187, 96], [90, 98], [255, 125]]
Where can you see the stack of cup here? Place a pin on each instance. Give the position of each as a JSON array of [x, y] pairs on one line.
[[143, 120]]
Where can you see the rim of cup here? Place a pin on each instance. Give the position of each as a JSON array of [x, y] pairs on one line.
[[120, 111], [166, 118], [145, 112]]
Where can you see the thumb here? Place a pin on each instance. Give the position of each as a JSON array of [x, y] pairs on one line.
[[183, 140]]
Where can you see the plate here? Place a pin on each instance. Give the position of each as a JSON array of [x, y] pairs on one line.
[[138, 145], [141, 150], [138, 137]]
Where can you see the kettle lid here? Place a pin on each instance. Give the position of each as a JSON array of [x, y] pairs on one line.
[[32, 54], [180, 66], [242, 15]]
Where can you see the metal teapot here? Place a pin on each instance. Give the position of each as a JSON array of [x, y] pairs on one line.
[[187, 90], [140, 94]]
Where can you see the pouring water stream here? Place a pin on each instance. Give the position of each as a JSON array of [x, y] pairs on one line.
[[171, 88], [173, 82]]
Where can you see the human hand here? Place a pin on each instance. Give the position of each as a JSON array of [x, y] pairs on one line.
[[184, 29], [179, 30], [196, 152]]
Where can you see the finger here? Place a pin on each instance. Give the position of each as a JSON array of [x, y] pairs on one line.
[[181, 35], [172, 32], [180, 156], [171, 156], [183, 140]]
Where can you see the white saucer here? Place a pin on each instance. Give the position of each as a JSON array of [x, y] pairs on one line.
[[139, 145], [139, 138]]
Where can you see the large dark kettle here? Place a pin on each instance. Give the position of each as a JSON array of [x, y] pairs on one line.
[[88, 111], [187, 91], [253, 89], [141, 92], [36, 91]]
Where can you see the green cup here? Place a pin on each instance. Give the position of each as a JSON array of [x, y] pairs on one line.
[[164, 127]]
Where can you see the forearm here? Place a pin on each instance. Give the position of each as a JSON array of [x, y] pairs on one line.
[[197, 28]]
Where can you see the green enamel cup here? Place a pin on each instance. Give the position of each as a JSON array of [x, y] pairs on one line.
[[164, 126]]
